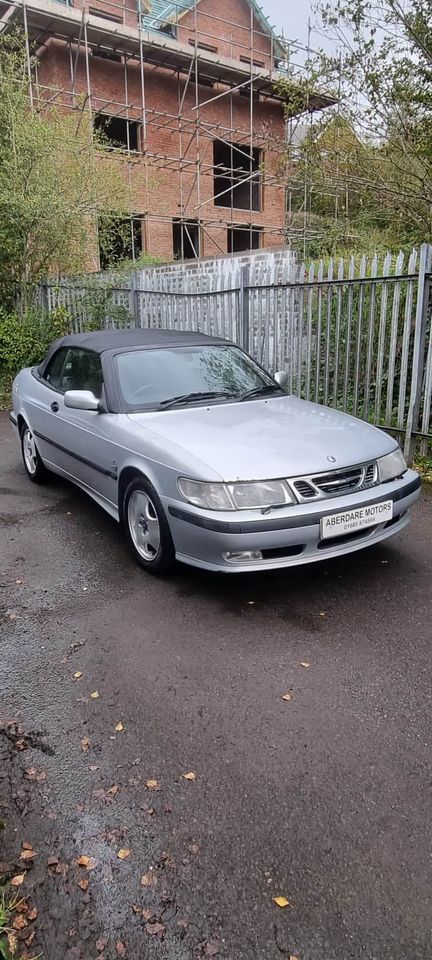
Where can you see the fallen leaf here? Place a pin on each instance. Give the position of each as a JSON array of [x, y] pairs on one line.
[[124, 853], [113, 791], [190, 776], [12, 943], [94, 695], [30, 939], [155, 929], [305, 663], [151, 811], [88, 862], [101, 944], [33, 774], [211, 949], [152, 784], [26, 845], [119, 727], [18, 880], [281, 901], [77, 643], [93, 767], [28, 854], [52, 861], [147, 914], [20, 922], [32, 914], [78, 675], [148, 879], [120, 948], [84, 884], [85, 744], [18, 580], [286, 696]]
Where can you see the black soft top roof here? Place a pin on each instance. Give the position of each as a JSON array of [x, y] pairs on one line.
[[101, 341]]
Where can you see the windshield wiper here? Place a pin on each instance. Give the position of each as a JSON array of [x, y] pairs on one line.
[[259, 391], [190, 397]]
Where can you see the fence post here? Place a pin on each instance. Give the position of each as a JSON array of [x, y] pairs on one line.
[[44, 296], [244, 307], [134, 296], [418, 362]]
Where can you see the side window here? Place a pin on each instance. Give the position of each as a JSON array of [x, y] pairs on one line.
[[82, 370], [53, 373]]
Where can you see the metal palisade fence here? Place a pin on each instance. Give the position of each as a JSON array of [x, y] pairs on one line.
[[353, 334]]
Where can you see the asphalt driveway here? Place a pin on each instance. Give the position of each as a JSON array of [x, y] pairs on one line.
[[323, 799]]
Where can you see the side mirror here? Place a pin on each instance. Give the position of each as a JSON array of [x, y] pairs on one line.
[[81, 400], [281, 378]]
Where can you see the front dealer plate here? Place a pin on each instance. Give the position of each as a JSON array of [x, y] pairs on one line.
[[349, 521]]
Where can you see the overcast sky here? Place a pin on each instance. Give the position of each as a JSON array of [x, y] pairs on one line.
[[289, 17]]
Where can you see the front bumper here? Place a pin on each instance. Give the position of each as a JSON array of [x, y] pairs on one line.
[[286, 537]]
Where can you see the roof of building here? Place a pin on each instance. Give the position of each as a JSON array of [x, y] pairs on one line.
[[164, 10]]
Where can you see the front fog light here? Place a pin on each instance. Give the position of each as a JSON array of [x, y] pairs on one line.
[[242, 556]]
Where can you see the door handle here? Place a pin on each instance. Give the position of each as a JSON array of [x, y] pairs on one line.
[[54, 406]]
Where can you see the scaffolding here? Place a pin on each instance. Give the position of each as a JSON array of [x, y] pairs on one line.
[[145, 38]]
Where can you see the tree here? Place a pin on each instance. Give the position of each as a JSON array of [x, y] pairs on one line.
[[55, 177], [378, 174]]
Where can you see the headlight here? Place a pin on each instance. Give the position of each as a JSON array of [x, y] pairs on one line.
[[391, 466], [235, 496], [210, 496], [248, 496]]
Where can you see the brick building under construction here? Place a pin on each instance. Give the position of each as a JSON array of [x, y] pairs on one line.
[[186, 91]]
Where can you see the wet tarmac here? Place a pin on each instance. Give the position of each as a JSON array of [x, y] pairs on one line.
[[324, 799]]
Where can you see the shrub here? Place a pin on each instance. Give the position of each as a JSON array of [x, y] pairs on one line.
[[24, 341]]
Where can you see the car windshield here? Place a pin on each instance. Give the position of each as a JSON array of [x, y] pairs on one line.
[[181, 375]]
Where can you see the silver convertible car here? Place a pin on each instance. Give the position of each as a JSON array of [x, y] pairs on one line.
[[200, 454]]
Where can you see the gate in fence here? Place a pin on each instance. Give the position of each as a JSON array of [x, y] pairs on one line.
[[356, 335]]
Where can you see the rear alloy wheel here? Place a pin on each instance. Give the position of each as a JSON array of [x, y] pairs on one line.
[[147, 528], [34, 467]]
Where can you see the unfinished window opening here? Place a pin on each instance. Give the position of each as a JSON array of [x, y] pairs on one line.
[[94, 12], [202, 80], [119, 131], [203, 46], [237, 176], [241, 239], [246, 92], [186, 239], [107, 55], [255, 63], [120, 238]]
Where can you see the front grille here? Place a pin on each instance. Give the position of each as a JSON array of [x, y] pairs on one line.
[[336, 482], [341, 482], [305, 489]]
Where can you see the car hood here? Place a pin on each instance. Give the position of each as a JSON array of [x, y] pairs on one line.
[[263, 439]]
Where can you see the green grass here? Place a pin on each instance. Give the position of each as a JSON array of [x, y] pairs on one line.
[[9, 905], [424, 467]]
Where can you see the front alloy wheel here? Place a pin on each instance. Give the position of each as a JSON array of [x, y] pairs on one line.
[[35, 469], [147, 527]]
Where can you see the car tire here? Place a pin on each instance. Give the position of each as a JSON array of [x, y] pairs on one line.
[[34, 468], [147, 529]]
